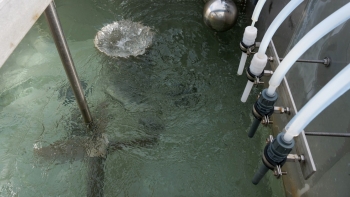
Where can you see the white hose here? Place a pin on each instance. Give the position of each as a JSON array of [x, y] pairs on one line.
[[333, 90], [257, 11], [328, 24], [257, 67], [276, 23]]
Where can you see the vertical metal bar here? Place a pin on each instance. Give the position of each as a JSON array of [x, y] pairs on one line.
[[67, 61]]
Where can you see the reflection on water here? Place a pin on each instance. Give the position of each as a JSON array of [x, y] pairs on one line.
[[173, 117]]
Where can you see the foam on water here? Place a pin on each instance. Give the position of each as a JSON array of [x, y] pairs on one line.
[[123, 39]]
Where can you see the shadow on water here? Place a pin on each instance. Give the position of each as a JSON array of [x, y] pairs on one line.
[[85, 144]]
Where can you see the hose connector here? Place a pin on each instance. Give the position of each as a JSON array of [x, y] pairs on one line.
[[247, 44], [275, 153], [256, 69], [263, 107]]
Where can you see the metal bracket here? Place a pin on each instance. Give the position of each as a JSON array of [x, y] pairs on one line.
[[257, 81], [282, 110], [295, 158], [268, 73]]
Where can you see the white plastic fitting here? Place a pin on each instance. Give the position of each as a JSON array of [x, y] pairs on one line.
[[256, 68], [249, 37], [258, 64], [327, 95]]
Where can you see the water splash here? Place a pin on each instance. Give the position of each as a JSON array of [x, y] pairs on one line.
[[123, 39]]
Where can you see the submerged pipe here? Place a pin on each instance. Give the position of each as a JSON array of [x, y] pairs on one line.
[[324, 27], [254, 127], [329, 93], [259, 61], [260, 174], [67, 61]]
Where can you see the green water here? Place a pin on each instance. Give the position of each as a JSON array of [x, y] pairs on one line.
[[184, 90]]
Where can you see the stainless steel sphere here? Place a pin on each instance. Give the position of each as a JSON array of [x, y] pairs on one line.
[[220, 15]]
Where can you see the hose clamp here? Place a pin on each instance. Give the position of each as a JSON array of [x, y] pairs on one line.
[[256, 114], [247, 49], [251, 77], [268, 162]]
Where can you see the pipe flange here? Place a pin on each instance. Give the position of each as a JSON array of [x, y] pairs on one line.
[[267, 161], [327, 61], [245, 48]]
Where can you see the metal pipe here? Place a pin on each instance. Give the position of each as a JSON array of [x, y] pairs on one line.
[[308, 61], [326, 61], [328, 134], [254, 127], [67, 61], [260, 174]]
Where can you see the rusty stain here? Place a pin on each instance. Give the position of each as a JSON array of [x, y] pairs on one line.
[[36, 16], [11, 45]]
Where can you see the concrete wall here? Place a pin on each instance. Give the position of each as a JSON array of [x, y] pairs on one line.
[[331, 154]]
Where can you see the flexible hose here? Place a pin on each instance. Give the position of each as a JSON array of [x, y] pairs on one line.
[[329, 93], [327, 25]]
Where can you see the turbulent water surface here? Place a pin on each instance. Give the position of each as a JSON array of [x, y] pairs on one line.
[[123, 39], [172, 114]]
